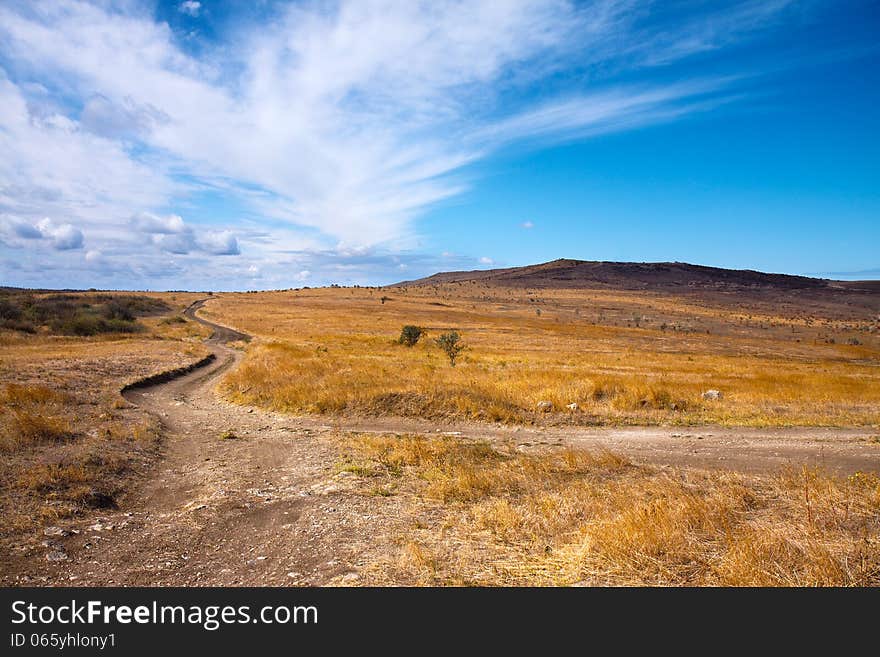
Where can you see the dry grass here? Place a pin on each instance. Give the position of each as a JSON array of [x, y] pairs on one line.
[[487, 517], [68, 441], [33, 414], [623, 358]]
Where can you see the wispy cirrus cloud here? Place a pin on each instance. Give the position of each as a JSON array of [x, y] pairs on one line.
[[334, 125]]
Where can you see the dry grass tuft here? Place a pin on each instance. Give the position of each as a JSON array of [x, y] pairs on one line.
[[486, 516], [32, 414]]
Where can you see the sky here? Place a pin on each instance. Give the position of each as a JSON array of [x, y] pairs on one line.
[[266, 145]]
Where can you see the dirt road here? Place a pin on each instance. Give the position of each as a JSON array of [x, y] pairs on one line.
[[267, 508]]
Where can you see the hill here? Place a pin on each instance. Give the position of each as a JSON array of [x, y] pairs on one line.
[[566, 273]]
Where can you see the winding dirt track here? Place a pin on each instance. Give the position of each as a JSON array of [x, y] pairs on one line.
[[266, 508]]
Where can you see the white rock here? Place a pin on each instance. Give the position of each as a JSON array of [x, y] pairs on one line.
[[572, 406], [713, 395]]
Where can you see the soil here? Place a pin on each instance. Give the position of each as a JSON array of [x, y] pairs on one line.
[[244, 496]]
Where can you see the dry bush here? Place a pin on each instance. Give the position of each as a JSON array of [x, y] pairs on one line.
[[484, 516]]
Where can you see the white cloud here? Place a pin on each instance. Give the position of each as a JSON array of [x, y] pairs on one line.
[[177, 243], [169, 233], [61, 237], [190, 7], [486, 261], [527, 225], [52, 168], [64, 237], [148, 222], [220, 243], [331, 124], [119, 120], [19, 228]]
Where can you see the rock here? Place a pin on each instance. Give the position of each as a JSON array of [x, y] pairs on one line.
[[350, 578], [713, 395], [545, 406], [572, 406], [55, 531], [57, 555]]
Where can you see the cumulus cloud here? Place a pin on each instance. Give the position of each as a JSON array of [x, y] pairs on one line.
[[180, 243], [148, 222], [64, 237], [190, 7], [61, 237], [220, 243], [171, 234], [20, 228]]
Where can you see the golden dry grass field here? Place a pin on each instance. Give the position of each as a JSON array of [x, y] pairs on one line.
[[485, 515], [450, 510], [622, 357], [68, 440]]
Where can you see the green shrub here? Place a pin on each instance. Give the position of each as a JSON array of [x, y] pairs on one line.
[[410, 334], [75, 314], [451, 344]]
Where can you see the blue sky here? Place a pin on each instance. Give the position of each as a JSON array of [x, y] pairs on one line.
[[210, 145]]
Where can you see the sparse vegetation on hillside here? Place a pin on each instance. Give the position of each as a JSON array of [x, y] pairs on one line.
[[75, 314], [772, 370]]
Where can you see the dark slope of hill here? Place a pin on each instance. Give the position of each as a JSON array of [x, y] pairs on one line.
[[566, 273]]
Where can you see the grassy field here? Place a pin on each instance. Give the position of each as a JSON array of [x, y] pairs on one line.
[[480, 515], [621, 357], [69, 442]]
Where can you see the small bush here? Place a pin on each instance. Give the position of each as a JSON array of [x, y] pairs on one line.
[[410, 334], [451, 344]]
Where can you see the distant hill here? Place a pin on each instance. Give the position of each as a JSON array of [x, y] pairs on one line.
[[565, 273]]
